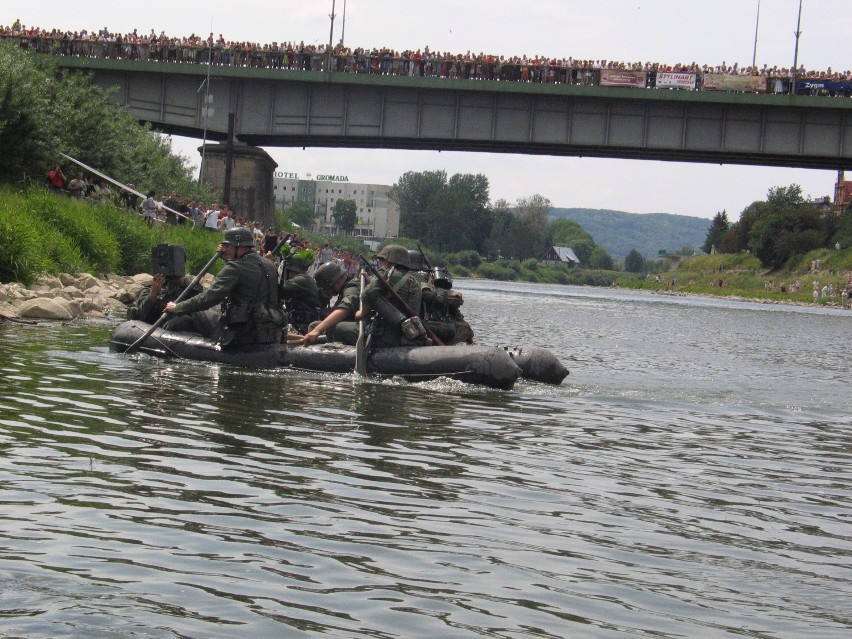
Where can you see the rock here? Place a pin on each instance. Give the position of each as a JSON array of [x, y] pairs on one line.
[[46, 308], [87, 280], [67, 280], [50, 281]]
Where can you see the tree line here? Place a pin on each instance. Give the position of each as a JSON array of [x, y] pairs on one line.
[[782, 227], [46, 111], [454, 214]]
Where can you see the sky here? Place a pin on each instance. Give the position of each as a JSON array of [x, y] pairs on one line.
[[667, 31]]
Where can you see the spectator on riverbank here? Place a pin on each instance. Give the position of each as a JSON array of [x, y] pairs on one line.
[[56, 180], [77, 187]]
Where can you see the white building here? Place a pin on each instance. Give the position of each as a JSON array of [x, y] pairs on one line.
[[378, 215]]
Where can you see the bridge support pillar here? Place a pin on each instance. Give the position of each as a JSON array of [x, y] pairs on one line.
[[251, 194]]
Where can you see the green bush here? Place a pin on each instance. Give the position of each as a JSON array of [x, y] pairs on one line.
[[496, 271]]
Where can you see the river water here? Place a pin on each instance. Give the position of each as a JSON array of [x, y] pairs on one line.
[[690, 478]]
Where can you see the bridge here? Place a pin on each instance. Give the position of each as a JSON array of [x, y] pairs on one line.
[[286, 108]]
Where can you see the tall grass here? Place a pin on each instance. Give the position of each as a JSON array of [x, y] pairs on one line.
[[44, 233]]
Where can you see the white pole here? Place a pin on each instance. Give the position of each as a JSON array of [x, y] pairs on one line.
[[330, 36], [796, 54], [756, 23]]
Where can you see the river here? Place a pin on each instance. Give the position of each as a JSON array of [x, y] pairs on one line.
[[690, 478]]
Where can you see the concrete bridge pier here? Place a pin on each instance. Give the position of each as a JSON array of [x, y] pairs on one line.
[[243, 174]]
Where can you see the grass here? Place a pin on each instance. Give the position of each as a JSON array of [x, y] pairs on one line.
[[41, 233]]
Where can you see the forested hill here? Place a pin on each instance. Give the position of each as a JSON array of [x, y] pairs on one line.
[[619, 232]]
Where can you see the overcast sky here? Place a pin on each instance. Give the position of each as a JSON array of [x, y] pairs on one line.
[[669, 31]]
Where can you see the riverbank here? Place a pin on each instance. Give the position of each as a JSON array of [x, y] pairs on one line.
[[70, 297]]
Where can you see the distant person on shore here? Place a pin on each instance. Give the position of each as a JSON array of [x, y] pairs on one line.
[[56, 180], [77, 187]]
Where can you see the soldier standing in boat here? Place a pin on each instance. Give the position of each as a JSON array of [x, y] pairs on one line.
[[247, 289]]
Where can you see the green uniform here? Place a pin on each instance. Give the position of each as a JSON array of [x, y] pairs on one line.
[[247, 289], [407, 286], [441, 314], [301, 298], [149, 310], [349, 300]]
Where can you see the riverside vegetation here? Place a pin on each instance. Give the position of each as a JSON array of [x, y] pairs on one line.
[[52, 243]]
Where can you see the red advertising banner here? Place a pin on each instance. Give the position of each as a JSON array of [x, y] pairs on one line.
[[617, 78], [668, 80], [748, 83]]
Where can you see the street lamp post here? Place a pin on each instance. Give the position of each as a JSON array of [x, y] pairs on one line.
[[330, 37], [756, 23], [343, 29], [796, 53]]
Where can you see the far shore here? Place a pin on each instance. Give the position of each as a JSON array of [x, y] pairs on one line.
[[81, 296]]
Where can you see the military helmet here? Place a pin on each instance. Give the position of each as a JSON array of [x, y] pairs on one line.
[[395, 254], [239, 237], [415, 260], [327, 274]]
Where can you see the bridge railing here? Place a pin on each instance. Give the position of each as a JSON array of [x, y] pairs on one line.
[[489, 68]]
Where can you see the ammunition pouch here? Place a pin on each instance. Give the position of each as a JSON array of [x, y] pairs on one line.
[[235, 315], [445, 298], [413, 329]]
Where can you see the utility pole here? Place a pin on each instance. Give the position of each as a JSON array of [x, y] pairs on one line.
[[756, 23], [343, 30], [796, 53], [330, 36]]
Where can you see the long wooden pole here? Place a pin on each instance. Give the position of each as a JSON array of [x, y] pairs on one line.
[[119, 184]]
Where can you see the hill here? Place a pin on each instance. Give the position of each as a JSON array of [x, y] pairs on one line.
[[620, 232]]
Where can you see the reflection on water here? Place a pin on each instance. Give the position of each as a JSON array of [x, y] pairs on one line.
[[688, 479]]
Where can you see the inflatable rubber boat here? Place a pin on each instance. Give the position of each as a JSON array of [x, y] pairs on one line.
[[494, 366]]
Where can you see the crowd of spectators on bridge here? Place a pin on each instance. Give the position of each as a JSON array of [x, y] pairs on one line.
[[194, 49]]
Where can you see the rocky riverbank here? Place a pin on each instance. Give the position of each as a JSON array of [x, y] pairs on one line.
[[70, 297]]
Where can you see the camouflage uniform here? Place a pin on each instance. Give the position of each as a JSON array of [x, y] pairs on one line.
[[148, 310]]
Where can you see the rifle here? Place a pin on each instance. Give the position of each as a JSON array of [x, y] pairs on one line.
[[425, 259], [435, 339]]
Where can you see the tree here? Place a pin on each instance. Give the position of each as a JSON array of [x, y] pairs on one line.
[[44, 113], [453, 214], [716, 232], [569, 233], [634, 262], [412, 193], [475, 216], [600, 259], [345, 214], [527, 232], [301, 213]]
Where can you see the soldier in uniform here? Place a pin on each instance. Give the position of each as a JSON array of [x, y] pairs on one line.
[[298, 291], [440, 303], [164, 288], [392, 321], [338, 324], [247, 289]]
